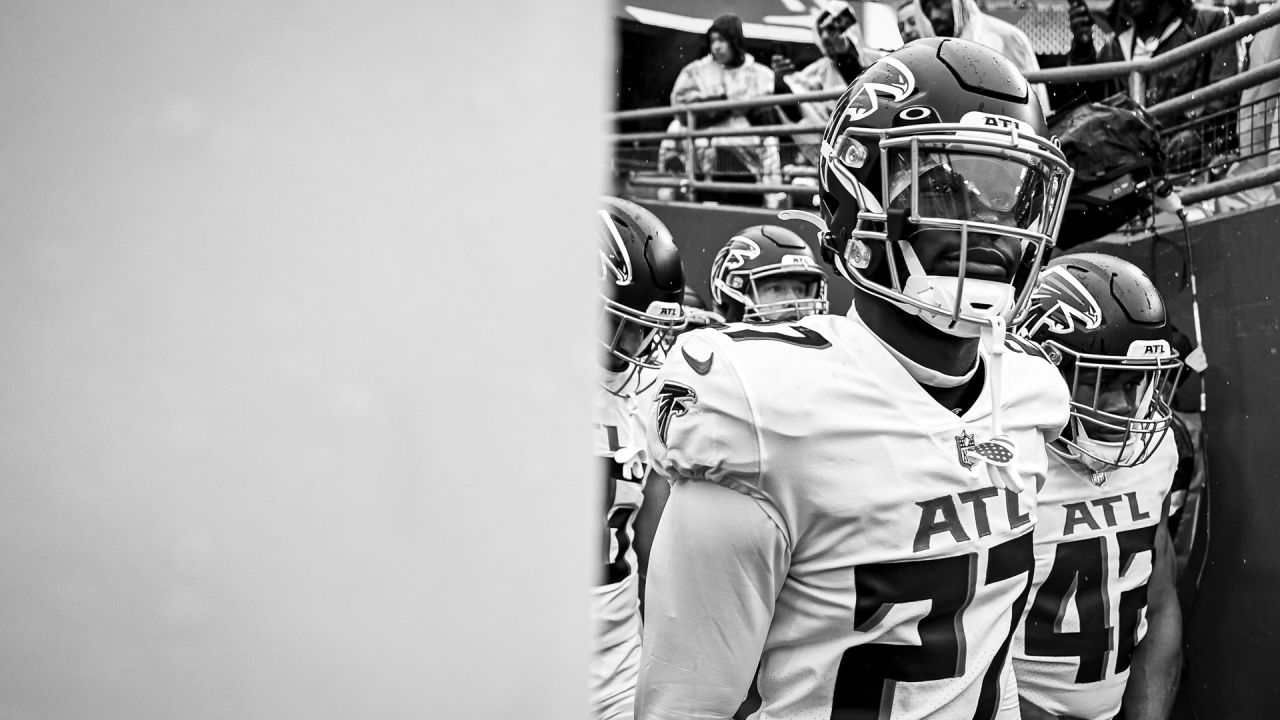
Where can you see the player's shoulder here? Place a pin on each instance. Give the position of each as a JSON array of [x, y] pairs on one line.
[[1031, 361], [1036, 384], [1163, 462], [742, 343], [703, 363], [1023, 346], [700, 424]]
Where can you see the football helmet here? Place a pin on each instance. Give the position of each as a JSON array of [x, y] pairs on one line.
[[942, 145], [757, 254], [1102, 322], [641, 283]]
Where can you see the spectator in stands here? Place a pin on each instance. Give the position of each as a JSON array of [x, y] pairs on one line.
[[726, 72], [1258, 126], [835, 31], [963, 19], [908, 21], [1148, 28]]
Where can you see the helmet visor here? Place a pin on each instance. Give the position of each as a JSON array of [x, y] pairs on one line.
[[1008, 190]]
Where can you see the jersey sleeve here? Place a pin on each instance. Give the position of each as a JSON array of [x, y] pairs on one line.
[[700, 425], [1052, 398], [1164, 461], [717, 566], [1057, 403]]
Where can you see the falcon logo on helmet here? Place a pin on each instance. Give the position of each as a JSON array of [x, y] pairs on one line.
[[895, 82], [1060, 305], [614, 259], [737, 253]]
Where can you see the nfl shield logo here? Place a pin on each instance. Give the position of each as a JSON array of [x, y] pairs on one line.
[[964, 443]]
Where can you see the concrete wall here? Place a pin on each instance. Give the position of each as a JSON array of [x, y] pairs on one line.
[[271, 445], [1234, 627]]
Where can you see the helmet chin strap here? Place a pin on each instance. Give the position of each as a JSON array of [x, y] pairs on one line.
[[986, 299], [999, 453]]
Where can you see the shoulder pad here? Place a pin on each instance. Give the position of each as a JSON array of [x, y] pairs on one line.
[[700, 423]]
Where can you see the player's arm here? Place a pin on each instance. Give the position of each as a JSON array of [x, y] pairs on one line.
[[1157, 661], [717, 565], [720, 552]]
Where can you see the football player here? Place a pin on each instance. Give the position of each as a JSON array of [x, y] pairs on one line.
[[767, 272], [641, 286], [853, 496], [1103, 624]]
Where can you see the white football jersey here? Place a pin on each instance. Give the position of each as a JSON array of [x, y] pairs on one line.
[[619, 445], [1094, 553], [900, 574]]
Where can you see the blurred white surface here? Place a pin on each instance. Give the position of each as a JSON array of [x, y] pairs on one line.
[[294, 321]]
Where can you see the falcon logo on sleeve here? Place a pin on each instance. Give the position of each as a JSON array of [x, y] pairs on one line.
[[1069, 305], [672, 400]]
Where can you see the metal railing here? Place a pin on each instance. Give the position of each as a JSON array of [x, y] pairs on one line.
[[765, 160]]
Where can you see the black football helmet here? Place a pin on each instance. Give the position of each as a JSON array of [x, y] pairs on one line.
[[943, 138], [641, 283], [1102, 321], [758, 253]]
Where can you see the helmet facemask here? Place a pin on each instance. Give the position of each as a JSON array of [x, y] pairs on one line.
[[744, 287], [1099, 437], [637, 338], [991, 197]]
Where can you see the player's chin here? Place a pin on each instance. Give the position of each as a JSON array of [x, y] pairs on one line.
[[975, 270]]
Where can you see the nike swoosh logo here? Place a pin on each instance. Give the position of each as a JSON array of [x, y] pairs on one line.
[[702, 367]]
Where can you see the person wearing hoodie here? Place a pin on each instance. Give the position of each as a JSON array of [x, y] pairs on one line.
[[1147, 28], [963, 19], [908, 24], [835, 30], [726, 72]]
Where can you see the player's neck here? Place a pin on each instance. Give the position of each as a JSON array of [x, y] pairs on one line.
[[924, 345], [916, 339]]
